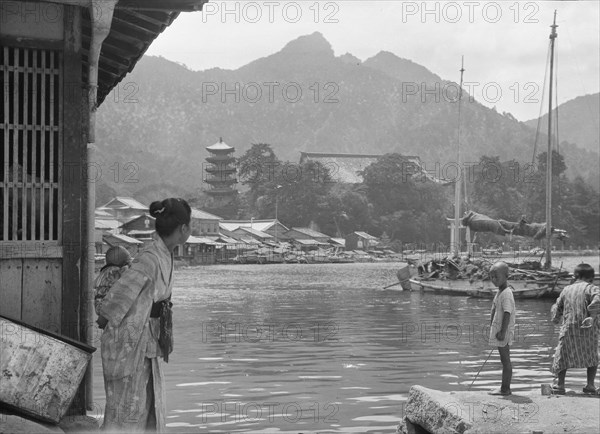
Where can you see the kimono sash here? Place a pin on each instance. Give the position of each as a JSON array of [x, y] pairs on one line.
[[164, 310]]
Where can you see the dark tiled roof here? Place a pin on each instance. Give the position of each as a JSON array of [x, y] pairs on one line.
[[203, 215], [343, 167], [346, 167], [135, 25], [309, 232], [365, 235]]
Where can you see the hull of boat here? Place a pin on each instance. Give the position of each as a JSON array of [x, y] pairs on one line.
[[518, 294], [478, 288]]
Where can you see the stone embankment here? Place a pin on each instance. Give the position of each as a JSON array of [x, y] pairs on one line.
[[433, 411], [14, 424]]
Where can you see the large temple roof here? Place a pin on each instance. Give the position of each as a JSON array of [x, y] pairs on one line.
[[346, 168]]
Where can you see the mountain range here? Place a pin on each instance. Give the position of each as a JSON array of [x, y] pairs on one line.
[[577, 121], [156, 124]]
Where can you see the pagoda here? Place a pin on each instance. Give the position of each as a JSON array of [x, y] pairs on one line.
[[221, 172]]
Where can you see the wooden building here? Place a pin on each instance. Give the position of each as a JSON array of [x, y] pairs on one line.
[[306, 234], [270, 226], [361, 241], [124, 208], [132, 244], [204, 223], [59, 60], [261, 236], [101, 228], [144, 222], [200, 251]]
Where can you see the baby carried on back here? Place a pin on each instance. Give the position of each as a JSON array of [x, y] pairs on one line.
[[118, 259]]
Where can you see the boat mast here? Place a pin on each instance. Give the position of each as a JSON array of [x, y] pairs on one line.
[[548, 263], [457, 199]]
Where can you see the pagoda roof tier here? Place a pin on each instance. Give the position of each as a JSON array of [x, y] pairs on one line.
[[221, 169], [220, 151], [220, 146], [217, 181], [221, 191], [220, 159]]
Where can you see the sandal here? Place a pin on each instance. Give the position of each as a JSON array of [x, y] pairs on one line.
[[558, 390], [590, 390]]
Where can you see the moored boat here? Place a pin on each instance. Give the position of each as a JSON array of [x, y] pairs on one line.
[[478, 288], [518, 294], [463, 277]]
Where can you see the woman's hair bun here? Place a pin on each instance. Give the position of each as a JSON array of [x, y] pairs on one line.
[[169, 214], [157, 208]]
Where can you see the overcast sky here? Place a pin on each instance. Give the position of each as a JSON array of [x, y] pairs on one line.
[[504, 43]]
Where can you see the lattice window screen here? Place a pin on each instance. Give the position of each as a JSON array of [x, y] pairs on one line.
[[31, 137]]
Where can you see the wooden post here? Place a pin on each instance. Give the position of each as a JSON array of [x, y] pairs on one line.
[[548, 263], [73, 140]]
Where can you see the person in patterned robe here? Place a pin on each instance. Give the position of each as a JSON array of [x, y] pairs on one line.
[[579, 307], [138, 329]]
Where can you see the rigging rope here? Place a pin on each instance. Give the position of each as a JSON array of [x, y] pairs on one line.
[[539, 123], [556, 102], [534, 166], [559, 185]]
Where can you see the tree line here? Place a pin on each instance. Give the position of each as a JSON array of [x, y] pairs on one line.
[[398, 202]]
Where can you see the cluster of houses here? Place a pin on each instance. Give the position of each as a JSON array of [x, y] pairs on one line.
[[124, 221]]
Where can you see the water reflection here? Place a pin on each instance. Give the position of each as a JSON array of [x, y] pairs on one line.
[[290, 348]]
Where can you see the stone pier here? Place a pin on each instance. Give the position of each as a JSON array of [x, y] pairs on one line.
[[11, 423], [433, 411]]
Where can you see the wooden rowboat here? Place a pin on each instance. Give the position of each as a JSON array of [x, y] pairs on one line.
[[518, 294], [478, 288]]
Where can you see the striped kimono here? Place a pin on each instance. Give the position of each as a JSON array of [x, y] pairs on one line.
[[577, 347], [133, 379]]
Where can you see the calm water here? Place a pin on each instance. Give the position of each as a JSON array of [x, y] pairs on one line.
[[300, 348]]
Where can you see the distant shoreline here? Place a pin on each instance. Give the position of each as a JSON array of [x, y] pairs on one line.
[[517, 254], [559, 253]]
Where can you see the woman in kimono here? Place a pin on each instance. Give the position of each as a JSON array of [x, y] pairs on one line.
[[137, 314]]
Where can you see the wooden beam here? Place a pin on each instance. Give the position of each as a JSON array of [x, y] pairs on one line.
[[111, 71], [120, 37], [11, 41], [73, 142], [161, 5], [117, 62], [107, 46], [127, 24], [159, 24]]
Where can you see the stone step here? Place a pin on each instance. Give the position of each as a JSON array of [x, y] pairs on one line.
[[470, 412]]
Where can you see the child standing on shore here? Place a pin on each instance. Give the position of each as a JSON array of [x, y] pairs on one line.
[[502, 325]]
